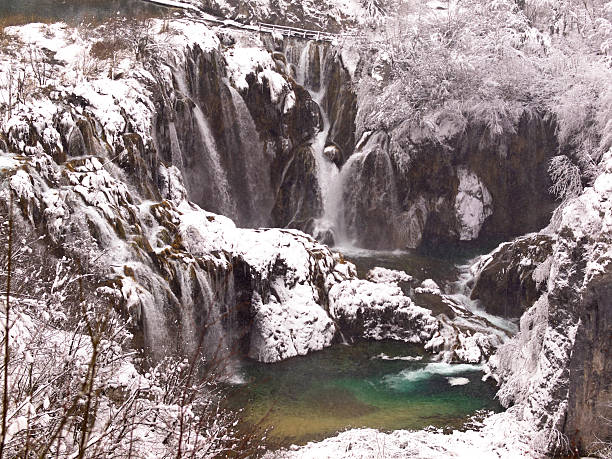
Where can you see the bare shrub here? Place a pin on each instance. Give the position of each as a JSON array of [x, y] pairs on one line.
[[72, 387], [566, 177]]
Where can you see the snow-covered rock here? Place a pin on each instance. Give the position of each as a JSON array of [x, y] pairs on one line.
[[385, 275], [473, 204], [380, 311], [556, 371], [428, 286]]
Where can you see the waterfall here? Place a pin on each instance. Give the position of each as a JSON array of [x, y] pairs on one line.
[[257, 175], [337, 199], [460, 291], [217, 173], [329, 227]]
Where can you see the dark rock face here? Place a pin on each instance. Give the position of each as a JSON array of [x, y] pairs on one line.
[[590, 391], [464, 186], [298, 198], [518, 179], [340, 104], [505, 283]]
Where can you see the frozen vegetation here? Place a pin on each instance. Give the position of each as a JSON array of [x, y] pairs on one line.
[[161, 182]]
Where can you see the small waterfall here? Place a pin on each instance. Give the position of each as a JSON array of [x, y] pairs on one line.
[[257, 175], [329, 226], [460, 291], [217, 173], [175, 148]]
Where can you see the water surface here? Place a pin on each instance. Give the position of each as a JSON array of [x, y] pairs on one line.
[[74, 11], [383, 385]]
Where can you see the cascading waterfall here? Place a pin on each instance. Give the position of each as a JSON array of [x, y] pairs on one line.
[[218, 173], [329, 227], [461, 290]]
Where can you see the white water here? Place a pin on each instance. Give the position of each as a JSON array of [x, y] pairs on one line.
[[257, 174], [221, 183], [461, 294], [218, 172], [398, 380], [329, 177]]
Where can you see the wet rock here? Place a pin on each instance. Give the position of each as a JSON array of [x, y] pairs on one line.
[[298, 197], [473, 204], [226, 39], [332, 152], [324, 236], [340, 104], [512, 277]]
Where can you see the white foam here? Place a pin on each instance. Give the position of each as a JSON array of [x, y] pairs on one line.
[[458, 381], [409, 358], [429, 370]]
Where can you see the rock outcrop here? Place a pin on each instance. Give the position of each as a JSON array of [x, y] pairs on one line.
[[512, 277], [558, 368], [462, 185], [380, 311]]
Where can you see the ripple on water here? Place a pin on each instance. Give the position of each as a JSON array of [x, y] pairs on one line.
[[315, 396]]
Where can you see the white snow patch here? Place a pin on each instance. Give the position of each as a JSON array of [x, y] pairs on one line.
[[242, 62], [380, 275], [473, 204]]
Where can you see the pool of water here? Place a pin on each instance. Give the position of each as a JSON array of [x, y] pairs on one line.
[[74, 11], [383, 385], [440, 263]]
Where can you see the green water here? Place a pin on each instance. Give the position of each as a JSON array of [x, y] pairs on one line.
[[75, 11], [315, 396], [437, 262]]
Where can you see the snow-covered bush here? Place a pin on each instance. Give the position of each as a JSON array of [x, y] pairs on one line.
[[72, 387], [486, 62], [566, 177]]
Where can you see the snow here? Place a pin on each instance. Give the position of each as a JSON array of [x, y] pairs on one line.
[[409, 358], [458, 381], [500, 436], [191, 33], [8, 162], [174, 4], [294, 324], [380, 311], [382, 275], [428, 286], [473, 204], [242, 62], [277, 84]]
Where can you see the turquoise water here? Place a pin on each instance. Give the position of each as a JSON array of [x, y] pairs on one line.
[[383, 385], [436, 262], [75, 11]]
